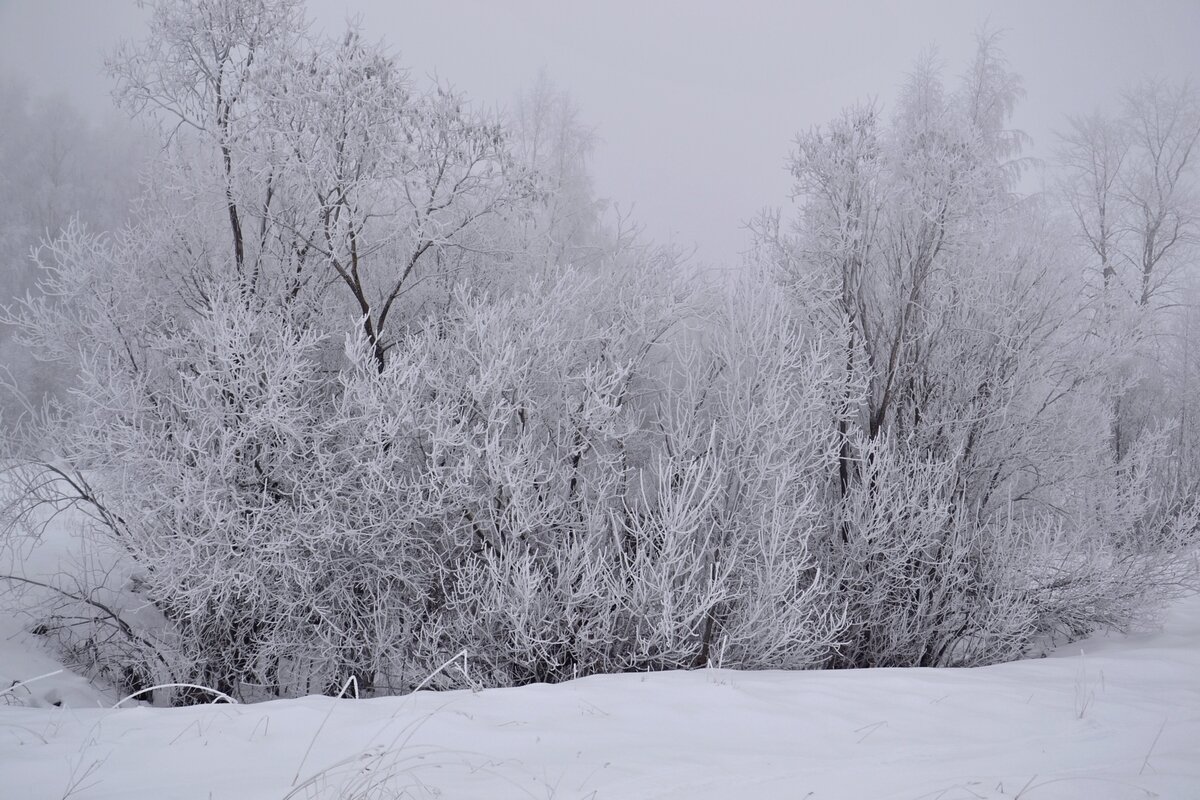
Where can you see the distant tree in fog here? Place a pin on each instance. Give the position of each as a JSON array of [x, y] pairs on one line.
[[56, 166]]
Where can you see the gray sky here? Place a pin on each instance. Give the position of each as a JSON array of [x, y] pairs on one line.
[[695, 101]]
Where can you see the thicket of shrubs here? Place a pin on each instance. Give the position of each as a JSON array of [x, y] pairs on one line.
[[343, 408]]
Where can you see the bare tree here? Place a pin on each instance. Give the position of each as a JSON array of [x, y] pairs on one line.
[[1163, 124], [554, 144], [1094, 152], [1130, 183]]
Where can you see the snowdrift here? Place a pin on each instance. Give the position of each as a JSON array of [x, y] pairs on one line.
[[1106, 718]]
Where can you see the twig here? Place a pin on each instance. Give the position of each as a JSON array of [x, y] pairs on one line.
[[219, 694], [321, 727], [460, 654], [1146, 760], [29, 680], [27, 730]]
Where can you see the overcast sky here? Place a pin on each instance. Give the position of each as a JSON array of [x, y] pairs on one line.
[[695, 101]]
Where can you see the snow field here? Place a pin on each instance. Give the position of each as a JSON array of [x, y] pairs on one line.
[[1109, 718]]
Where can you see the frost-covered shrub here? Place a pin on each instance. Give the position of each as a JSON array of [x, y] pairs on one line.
[[923, 587], [662, 518], [562, 481]]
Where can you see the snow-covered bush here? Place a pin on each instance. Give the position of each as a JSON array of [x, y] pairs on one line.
[[647, 493], [552, 481]]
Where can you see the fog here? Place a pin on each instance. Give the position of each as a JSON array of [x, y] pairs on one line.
[[695, 102]]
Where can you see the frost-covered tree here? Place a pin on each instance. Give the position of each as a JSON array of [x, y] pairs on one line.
[[55, 166], [1129, 179], [329, 168], [551, 140], [969, 470]]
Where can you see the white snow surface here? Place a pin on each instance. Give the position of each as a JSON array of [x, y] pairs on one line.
[[1117, 717]]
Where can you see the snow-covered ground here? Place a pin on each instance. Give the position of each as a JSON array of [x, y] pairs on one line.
[[1109, 718]]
